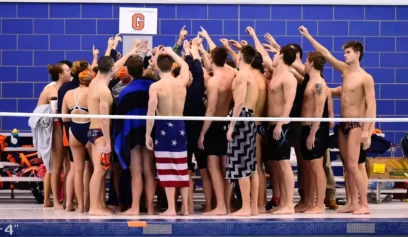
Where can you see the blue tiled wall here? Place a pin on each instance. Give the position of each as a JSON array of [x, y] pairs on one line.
[[34, 35]]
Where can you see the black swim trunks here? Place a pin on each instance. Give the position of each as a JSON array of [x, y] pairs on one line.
[[280, 149], [215, 141], [318, 149], [193, 129]]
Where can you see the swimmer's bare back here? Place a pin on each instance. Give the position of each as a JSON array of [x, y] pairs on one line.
[[171, 94], [251, 95], [309, 100], [224, 83], [276, 92], [98, 92], [260, 103]]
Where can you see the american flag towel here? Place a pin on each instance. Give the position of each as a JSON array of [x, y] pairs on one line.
[[170, 149]]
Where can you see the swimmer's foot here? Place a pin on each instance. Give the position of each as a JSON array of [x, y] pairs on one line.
[[277, 208], [48, 203], [242, 212], [316, 210], [362, 211], [169, 212], [216, 212], [131, 212], [350, 209], [58, 206], [69, 207], [304, 208], [285, 210], [99, 212]]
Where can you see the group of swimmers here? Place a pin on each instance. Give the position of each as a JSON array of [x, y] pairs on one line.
[[187, 80]]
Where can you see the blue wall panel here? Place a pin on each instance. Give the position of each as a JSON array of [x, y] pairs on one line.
[[33, 35]]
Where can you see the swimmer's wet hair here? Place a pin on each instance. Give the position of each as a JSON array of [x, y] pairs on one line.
[[68, 63], [248, 53], [219, 56], [356, 46], [106, 64], [317, 59], [257, 63], [165, 63], [55, 70], [135, 67], [289, 54], [298, 49]]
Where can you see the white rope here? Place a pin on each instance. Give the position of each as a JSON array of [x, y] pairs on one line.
[[189, 118]]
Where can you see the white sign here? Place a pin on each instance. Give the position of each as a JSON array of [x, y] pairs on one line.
[[234, 2], [138, 21]]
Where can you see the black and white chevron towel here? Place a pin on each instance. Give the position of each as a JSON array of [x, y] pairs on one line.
[[241, 154]]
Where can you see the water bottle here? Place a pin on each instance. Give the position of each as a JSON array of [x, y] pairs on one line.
[[14, 138]]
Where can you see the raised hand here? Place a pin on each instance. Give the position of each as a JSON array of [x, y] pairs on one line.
[[244, 42], [201, 49], [269, 48], [144, 46], [168, 50], [117, 39], [186, 45], [250, 31], [303, 31], [153, 62], [225, 43], [236, 44], [183, 33], [111, 42], [203, 33], [197, 41], [95, 52]]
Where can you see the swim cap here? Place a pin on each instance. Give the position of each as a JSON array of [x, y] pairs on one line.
[[86, 76]]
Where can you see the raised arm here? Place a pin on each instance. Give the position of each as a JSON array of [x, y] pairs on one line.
[[212, 100], [203, 33], [111, 42], [198, 72], [238, 92], [95, 53], [151, 111], [299, 67], [133, 52], [337, 64], [369, 91], [272, 41], [320, 96], [230, 51], [179, 44], [184, 71], [267, 61]]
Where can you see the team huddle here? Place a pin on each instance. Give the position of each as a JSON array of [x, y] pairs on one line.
[[233, 157]]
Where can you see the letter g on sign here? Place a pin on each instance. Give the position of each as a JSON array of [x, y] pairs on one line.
[[138, 21]]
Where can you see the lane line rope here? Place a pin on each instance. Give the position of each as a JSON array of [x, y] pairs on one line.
[[189, 118]]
